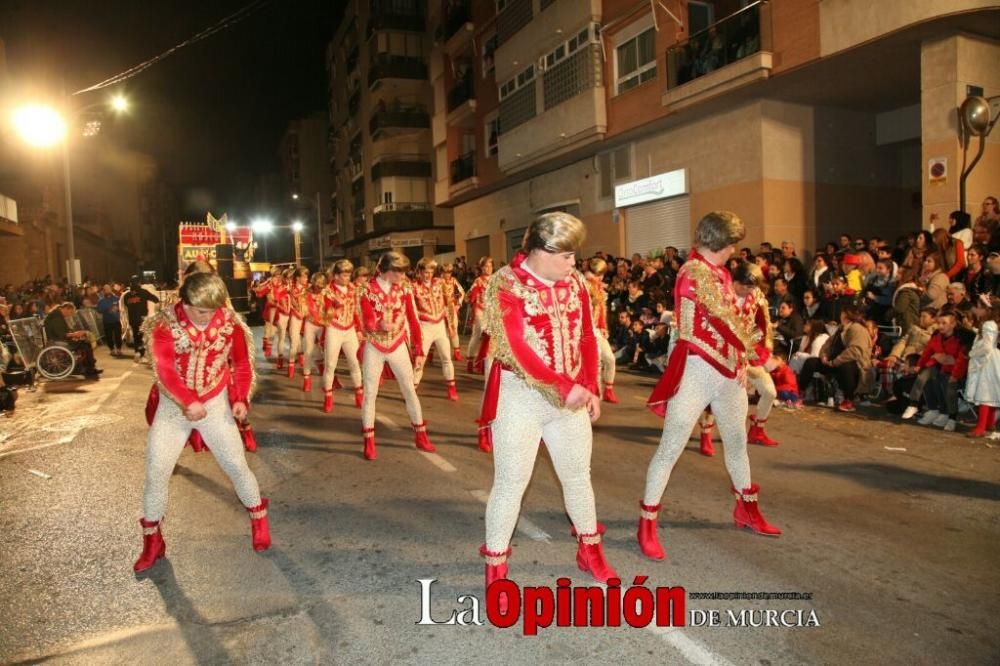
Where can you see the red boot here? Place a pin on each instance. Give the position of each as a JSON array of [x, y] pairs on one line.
[[757, 434], [590, 558], [452, 391], [359, 397], [291, 370], [267, 348], [707, 448], [457, 355], [420, 437], [281, 362], [196, 442], [260, 527], [369, 434], [496, 569], [985, 423], [485, 437], [649, 542], [153, 547], [747, 512], [307, 383], [336, 383], [327, 401], [246, 434], [609, 394]]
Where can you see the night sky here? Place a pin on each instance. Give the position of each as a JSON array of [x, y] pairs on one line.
[[211, 114]]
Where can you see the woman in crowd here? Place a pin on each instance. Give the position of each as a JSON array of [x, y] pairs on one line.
[[812, 306], [846, 356], [202, 358], [794, 274], [922, 244], [952, 252], [933, 281], [977, 277], [814, 336]]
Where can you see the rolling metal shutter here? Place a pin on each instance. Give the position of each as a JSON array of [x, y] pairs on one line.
[[653, 226]]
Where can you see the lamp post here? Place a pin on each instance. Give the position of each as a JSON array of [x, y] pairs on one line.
[[297, 240], [319, 226], [975, 119], [43, 126]]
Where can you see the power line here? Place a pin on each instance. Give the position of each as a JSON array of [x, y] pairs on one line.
[[221, 25]]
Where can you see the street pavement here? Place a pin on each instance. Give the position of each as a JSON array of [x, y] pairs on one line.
[[891, 529]]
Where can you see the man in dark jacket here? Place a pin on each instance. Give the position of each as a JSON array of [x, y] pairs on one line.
[[136, 304], [788, 324]]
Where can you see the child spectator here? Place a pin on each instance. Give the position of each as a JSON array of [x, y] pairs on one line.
[[785, 382], [878, 291], [943, 364], [982, 386], [903, 384]]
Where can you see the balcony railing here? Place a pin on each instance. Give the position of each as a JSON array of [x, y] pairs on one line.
[[735, 37], [399, 116], [463, 168], [387, 66], [461, 92], [395, 18], [403, 165], [402, 216], [457, 17]]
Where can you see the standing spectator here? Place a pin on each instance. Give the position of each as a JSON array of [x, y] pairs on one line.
[[846, 357], [906, 301], [110, 311], [977, 279], [959, 226], [787, 249], [137, 301], [942, 364]]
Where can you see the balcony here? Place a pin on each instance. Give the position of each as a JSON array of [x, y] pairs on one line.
[[402, 216], [725, 55], [399, 120], [388, 17], [355, 169], [463, 174], [462, 103], [515, 16], [458, 28], [386, 66], [399, 165]]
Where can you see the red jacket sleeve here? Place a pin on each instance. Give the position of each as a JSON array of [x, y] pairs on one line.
[[527, 359], [166, 368], [961, 363], [369, 320], [242, 372], [933, 347], [959, 264], [414, 321]]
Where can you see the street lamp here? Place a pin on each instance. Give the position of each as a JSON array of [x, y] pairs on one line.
[[319, 227], [975, 119], [264, 227], [297, 228], [42, 126]]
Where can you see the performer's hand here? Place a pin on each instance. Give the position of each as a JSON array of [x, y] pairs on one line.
[[384, 326], [240, 411], [594, 407], [195, 411], [418, 363], [578, 397]]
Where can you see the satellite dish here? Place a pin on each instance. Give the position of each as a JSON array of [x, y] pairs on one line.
[[975, 115]]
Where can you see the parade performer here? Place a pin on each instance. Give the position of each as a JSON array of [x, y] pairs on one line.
[[542, 384], [264, 293], [283, 310], [454, 294], [314, 326], [203, 364], [599, 302], [432, 310], [752, 304], [297, 298], [386, 306], [477, 344], [707, 366], [343, 332]]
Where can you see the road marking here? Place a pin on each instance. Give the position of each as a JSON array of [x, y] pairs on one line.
[[692, 650], [524, 526], [386, 421], [439, 462]]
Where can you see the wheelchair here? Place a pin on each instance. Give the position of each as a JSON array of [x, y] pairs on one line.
[[53, 361]]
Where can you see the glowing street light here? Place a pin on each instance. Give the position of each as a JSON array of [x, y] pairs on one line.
[[39, 125], [297, 226], [295, 196], [119, 103], [262, 225]]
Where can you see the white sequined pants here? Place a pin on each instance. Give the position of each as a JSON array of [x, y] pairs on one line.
[[436, 334], [607, 358], [281, 332], [310, 333], [477, 335], [524, 417], [295, 334], [399, 361], [338, 339], [761, 381], [166, 439], [701, 386], [269, 329]]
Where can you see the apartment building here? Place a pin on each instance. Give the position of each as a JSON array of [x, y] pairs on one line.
[[807, 117], [380, 134], [306, 177]]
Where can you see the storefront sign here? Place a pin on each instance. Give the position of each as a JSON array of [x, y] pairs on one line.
[[661, 186]]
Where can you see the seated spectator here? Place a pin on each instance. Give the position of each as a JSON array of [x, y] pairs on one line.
[[906, 301], [785, 383], [916, 338], [846, 357], [778, 294], [933, 282], [879, 288], [977, 278], [795, 276], [942, 364], [812, 306], [636, 299], [788, 324], [632, 350], [814, 336], [957, 297], [655, 346], [903, 385], [60, 330], [852, 273], [839, 297], [620, 335], [820, 275]]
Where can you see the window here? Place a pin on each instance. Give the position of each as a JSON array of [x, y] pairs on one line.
[[572, 45], [635, 61], [523, 77], [492, 130], [700, 16], [615, 167]]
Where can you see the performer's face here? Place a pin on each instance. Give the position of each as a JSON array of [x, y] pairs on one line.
[[427, 274], [553, 265], [488, 268], [343, 278], [392, 277], [199, 316]]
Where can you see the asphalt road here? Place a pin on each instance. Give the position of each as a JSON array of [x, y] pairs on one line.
[[891, 529]]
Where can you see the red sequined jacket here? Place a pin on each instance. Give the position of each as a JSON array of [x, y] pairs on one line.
[[394, 305], [754, 310], [476, 293], [543, 334], [599, 304], [316, 307], [342, 307], [432, 304], [280, 297], [192, 365], [297, 300]]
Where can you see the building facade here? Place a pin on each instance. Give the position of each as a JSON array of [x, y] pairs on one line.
[[306, 176], [808, 118]]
